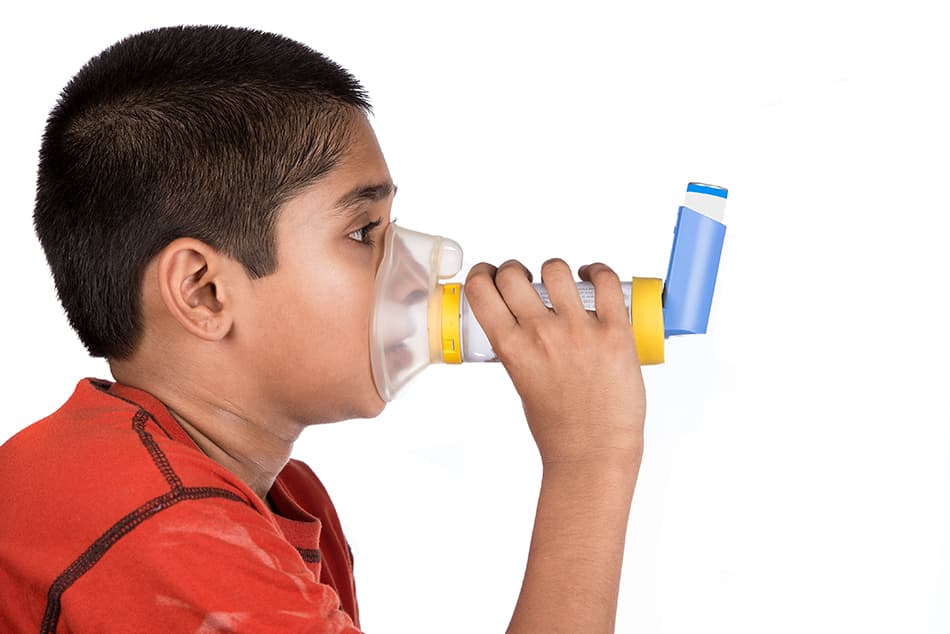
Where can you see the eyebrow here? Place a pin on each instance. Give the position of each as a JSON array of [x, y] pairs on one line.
[[371, 193]]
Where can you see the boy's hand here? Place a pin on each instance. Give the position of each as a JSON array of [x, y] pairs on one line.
[[579, 379], [577, 372]]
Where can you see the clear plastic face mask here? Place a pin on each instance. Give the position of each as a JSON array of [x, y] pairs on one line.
[[406, 301]]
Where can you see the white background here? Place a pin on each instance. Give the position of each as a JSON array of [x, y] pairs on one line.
[[796, 470]]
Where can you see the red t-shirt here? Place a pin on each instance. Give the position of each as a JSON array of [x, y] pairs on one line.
[[112, 519]]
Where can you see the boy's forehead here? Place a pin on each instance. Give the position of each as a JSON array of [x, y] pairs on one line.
[[360, 176], [341, 198], [368, 192]]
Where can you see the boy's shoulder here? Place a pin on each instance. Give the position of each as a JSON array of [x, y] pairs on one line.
[[108, 496], [108, 441], [110, 457]]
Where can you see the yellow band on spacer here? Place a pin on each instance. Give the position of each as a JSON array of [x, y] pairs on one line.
[[451, 342], [646, 318], [434, 324]]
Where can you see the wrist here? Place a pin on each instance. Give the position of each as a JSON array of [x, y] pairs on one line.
[[613, 473], [613, 461]]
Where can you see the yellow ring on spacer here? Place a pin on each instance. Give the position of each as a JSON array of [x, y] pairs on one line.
[[646, 318], [434, 324], [451, 343]]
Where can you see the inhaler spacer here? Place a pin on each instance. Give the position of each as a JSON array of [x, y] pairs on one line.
[[418, 320], [407, 307]]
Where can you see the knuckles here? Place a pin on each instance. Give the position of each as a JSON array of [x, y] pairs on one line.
[[555, 267], [477, 286], [512, 270], [481, 269], [603, 274], [480, 281]]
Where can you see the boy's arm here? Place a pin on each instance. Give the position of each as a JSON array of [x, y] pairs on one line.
[[573, 570], [580, 383]]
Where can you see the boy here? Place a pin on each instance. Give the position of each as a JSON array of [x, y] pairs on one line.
[[201, 192]]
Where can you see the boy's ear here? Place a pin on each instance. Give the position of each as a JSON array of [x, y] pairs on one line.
[[192, 278]]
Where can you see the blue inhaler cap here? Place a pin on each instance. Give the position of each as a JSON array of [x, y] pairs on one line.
[[694, 260]]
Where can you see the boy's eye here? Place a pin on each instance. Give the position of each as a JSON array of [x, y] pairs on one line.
[[364, 234]]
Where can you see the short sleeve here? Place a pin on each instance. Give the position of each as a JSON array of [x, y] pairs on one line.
[[201, 565]]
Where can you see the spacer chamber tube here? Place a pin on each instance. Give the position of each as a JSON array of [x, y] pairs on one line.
[[475, 344]]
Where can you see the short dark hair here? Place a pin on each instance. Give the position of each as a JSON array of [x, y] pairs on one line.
[[198, 132]]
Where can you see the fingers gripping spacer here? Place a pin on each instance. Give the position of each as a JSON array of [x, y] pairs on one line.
[[646, 318]]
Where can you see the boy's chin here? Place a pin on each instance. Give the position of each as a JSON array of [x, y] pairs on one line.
[[371, 406], [376, 406], [367, 404]]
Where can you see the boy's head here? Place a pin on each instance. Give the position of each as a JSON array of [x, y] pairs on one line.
[[190, 201]]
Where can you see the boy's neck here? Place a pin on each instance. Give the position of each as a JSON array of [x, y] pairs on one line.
[[253, 454], [251, 446]]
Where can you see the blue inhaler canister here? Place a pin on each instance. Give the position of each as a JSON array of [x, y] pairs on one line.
[[694, 260]]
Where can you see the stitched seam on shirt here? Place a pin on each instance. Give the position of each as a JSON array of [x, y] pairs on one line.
[[310, 555], [124, 526], [105, 390], [158, 456], [95, 552]]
